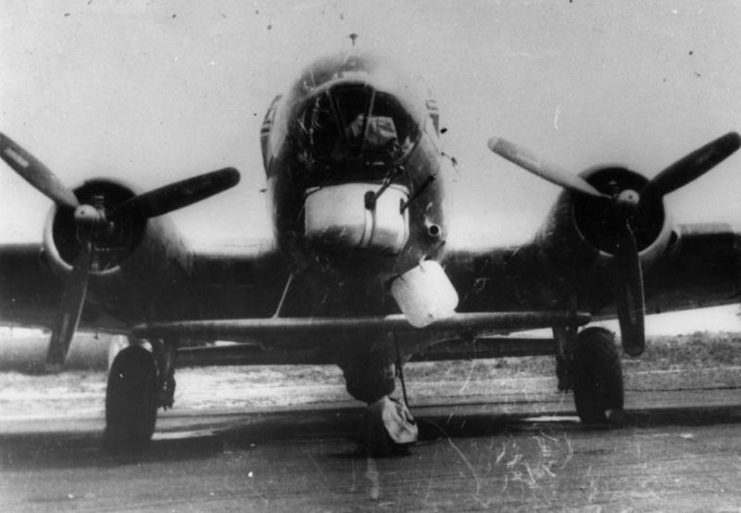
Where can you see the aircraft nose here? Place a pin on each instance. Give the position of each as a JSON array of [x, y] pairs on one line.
[[341, 217]]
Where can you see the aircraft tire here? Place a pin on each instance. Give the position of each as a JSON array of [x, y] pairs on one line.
[[598, 377], [131, 401]]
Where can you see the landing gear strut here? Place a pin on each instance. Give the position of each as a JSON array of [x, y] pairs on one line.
[[164, 355]]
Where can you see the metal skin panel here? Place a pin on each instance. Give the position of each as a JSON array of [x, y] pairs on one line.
[[29, 292], [289, 174], [702, 269], [336, 216], [247, 329], [335, 338]]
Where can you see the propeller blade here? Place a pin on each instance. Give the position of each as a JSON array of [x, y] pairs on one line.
[[73, 299], [36, 173], [180, 194], [629, 293], [550, 172], [693, 165]]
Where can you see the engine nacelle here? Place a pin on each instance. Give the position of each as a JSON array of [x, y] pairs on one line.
[[133, 257], [581, 231]]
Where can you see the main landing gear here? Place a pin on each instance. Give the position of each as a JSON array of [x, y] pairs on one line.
[[387, 427], [139, 382], [589, 363]]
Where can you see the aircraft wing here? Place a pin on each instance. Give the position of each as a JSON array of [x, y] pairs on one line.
[[29, 292], [501, 289], [180, 282], [699, 268], [282, 331]]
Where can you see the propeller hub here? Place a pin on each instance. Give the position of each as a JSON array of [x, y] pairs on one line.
[[87, 215], [627, 201]]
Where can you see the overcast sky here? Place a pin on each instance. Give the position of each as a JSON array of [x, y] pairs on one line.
[[155, 91]]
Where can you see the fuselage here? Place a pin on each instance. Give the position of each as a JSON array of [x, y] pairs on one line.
[[352, 161]]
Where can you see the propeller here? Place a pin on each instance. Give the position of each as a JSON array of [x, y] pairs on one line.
[[93, 220], [551, 172], [629, 296], [179, 194], [693, 165], [73, 299], [36, 173], [623, 210]]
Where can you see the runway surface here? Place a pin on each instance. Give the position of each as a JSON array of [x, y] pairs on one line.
[[680, 451]]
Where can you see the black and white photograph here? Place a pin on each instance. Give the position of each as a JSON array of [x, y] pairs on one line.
[[343, 255]]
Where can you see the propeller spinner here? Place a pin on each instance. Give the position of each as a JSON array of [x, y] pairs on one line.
[[92, 220], [623, 206]]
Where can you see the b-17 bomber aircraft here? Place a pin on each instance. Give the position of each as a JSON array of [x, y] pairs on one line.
[[359, 273]]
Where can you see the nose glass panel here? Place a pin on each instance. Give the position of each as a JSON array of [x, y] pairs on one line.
[[356, 123]]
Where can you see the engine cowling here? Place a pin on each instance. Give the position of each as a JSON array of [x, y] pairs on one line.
[[134, 257], [581, 231], [621, 220]]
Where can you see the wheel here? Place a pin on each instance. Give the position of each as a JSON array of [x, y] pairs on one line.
[[370, 380], [131, 401], [598, 377]]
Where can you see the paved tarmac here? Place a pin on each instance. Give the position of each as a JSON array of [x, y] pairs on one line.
[[680, 451]]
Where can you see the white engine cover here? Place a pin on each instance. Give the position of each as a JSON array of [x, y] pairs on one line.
[[337, 215], [425, 294]]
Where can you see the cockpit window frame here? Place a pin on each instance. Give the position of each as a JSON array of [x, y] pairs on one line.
[[401, 116]]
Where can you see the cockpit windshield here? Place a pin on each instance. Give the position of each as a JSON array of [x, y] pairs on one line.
[[355, 122]]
